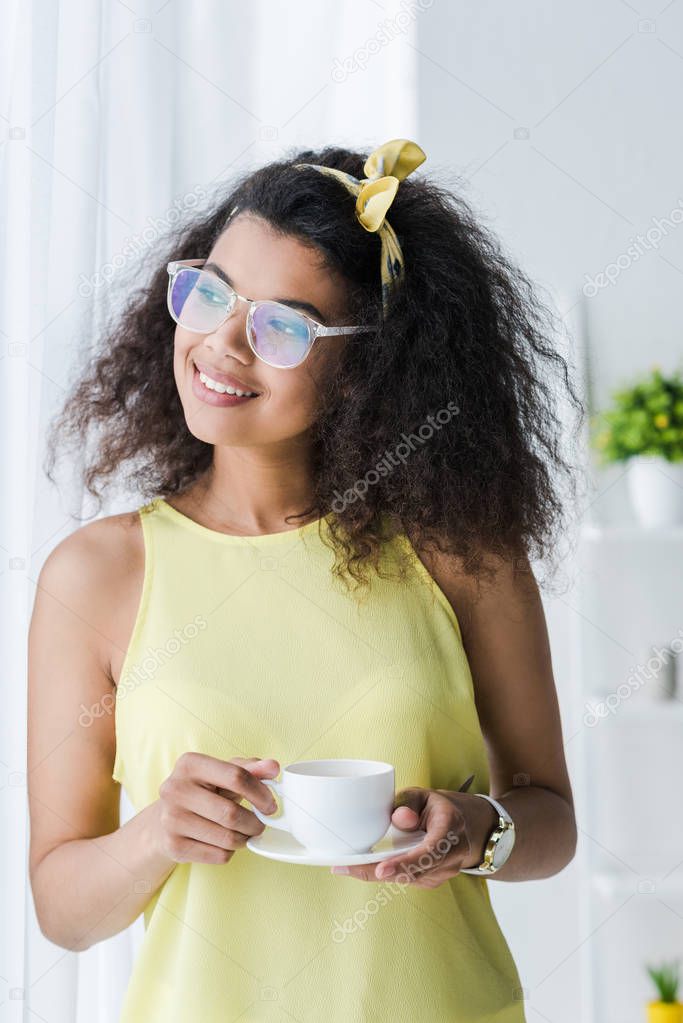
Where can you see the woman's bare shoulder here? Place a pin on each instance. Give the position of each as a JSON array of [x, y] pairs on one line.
[[96, 573], [92, 552]]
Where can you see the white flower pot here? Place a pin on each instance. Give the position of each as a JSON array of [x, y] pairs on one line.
[[655, 488]]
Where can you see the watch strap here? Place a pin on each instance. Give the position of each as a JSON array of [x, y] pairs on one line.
[[496, 805], [506, 822]]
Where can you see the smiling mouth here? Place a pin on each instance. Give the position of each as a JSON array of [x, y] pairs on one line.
[[220, 388]]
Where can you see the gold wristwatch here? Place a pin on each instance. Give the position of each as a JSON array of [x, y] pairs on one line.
[[500, 842]]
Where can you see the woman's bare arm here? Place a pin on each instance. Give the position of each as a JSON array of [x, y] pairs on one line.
[[90, 877], [506, 641]]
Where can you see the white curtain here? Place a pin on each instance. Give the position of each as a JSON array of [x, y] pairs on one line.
[[114, 114]]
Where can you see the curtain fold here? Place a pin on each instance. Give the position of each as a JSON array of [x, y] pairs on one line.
[[115, 119], [16, 321]]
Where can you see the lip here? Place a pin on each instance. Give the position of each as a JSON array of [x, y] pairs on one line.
[[223, 378], [215, 398]]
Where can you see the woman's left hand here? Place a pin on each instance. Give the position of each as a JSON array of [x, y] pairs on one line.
[[457, 826]]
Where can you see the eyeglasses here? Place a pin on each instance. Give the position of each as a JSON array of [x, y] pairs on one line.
[[200, 301]]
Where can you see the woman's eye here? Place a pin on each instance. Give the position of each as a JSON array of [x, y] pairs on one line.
[[289, 324], [283, 326], [210, 296]]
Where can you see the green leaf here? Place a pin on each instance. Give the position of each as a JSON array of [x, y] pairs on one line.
[[628, 426]]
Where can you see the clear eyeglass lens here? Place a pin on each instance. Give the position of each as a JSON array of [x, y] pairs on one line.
[[279, 335], [198, 300]]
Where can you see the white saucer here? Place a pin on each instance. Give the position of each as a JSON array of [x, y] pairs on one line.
[[280, 845]]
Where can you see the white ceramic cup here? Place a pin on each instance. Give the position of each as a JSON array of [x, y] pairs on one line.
[[334, 806]]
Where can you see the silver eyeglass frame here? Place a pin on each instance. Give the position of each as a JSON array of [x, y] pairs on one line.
[[314, 328]]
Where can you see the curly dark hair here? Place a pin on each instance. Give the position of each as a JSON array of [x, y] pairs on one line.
[[466, 343]]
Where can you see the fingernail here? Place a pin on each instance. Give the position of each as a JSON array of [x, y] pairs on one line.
[[384, 870], [340, 870]]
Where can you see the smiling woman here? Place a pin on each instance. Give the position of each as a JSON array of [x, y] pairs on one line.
[[463, 327], [379, 316]]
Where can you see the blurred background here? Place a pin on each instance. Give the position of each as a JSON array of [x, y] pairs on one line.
[[560, 124]]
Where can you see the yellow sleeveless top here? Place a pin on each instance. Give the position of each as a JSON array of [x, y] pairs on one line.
[[249, 646]]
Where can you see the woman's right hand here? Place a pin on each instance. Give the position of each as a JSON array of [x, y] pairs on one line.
[[199, 818]]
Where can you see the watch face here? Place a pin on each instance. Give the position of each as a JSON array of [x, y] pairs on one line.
[[503, 847]]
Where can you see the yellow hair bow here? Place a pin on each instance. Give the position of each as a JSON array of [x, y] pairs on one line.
[[384, 168]]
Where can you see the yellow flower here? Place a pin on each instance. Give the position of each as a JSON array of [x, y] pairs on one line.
[[661, 420]]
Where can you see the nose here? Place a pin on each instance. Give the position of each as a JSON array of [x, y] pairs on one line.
[[230, 337]]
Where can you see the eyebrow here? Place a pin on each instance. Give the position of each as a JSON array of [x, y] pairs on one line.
[[293, 303]]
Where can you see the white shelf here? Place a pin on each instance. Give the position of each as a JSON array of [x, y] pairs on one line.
[[620, 882], [631, 532], [642, 567], [632, 710]]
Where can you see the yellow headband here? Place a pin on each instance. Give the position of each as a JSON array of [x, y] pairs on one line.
[[384, 168]]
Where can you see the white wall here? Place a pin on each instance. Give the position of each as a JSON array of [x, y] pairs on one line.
[[561, 124]]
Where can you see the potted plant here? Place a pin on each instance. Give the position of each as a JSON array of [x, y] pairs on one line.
[[667, 1009], [644, 428]]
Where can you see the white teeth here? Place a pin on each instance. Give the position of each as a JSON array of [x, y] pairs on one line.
[[214, 385]]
